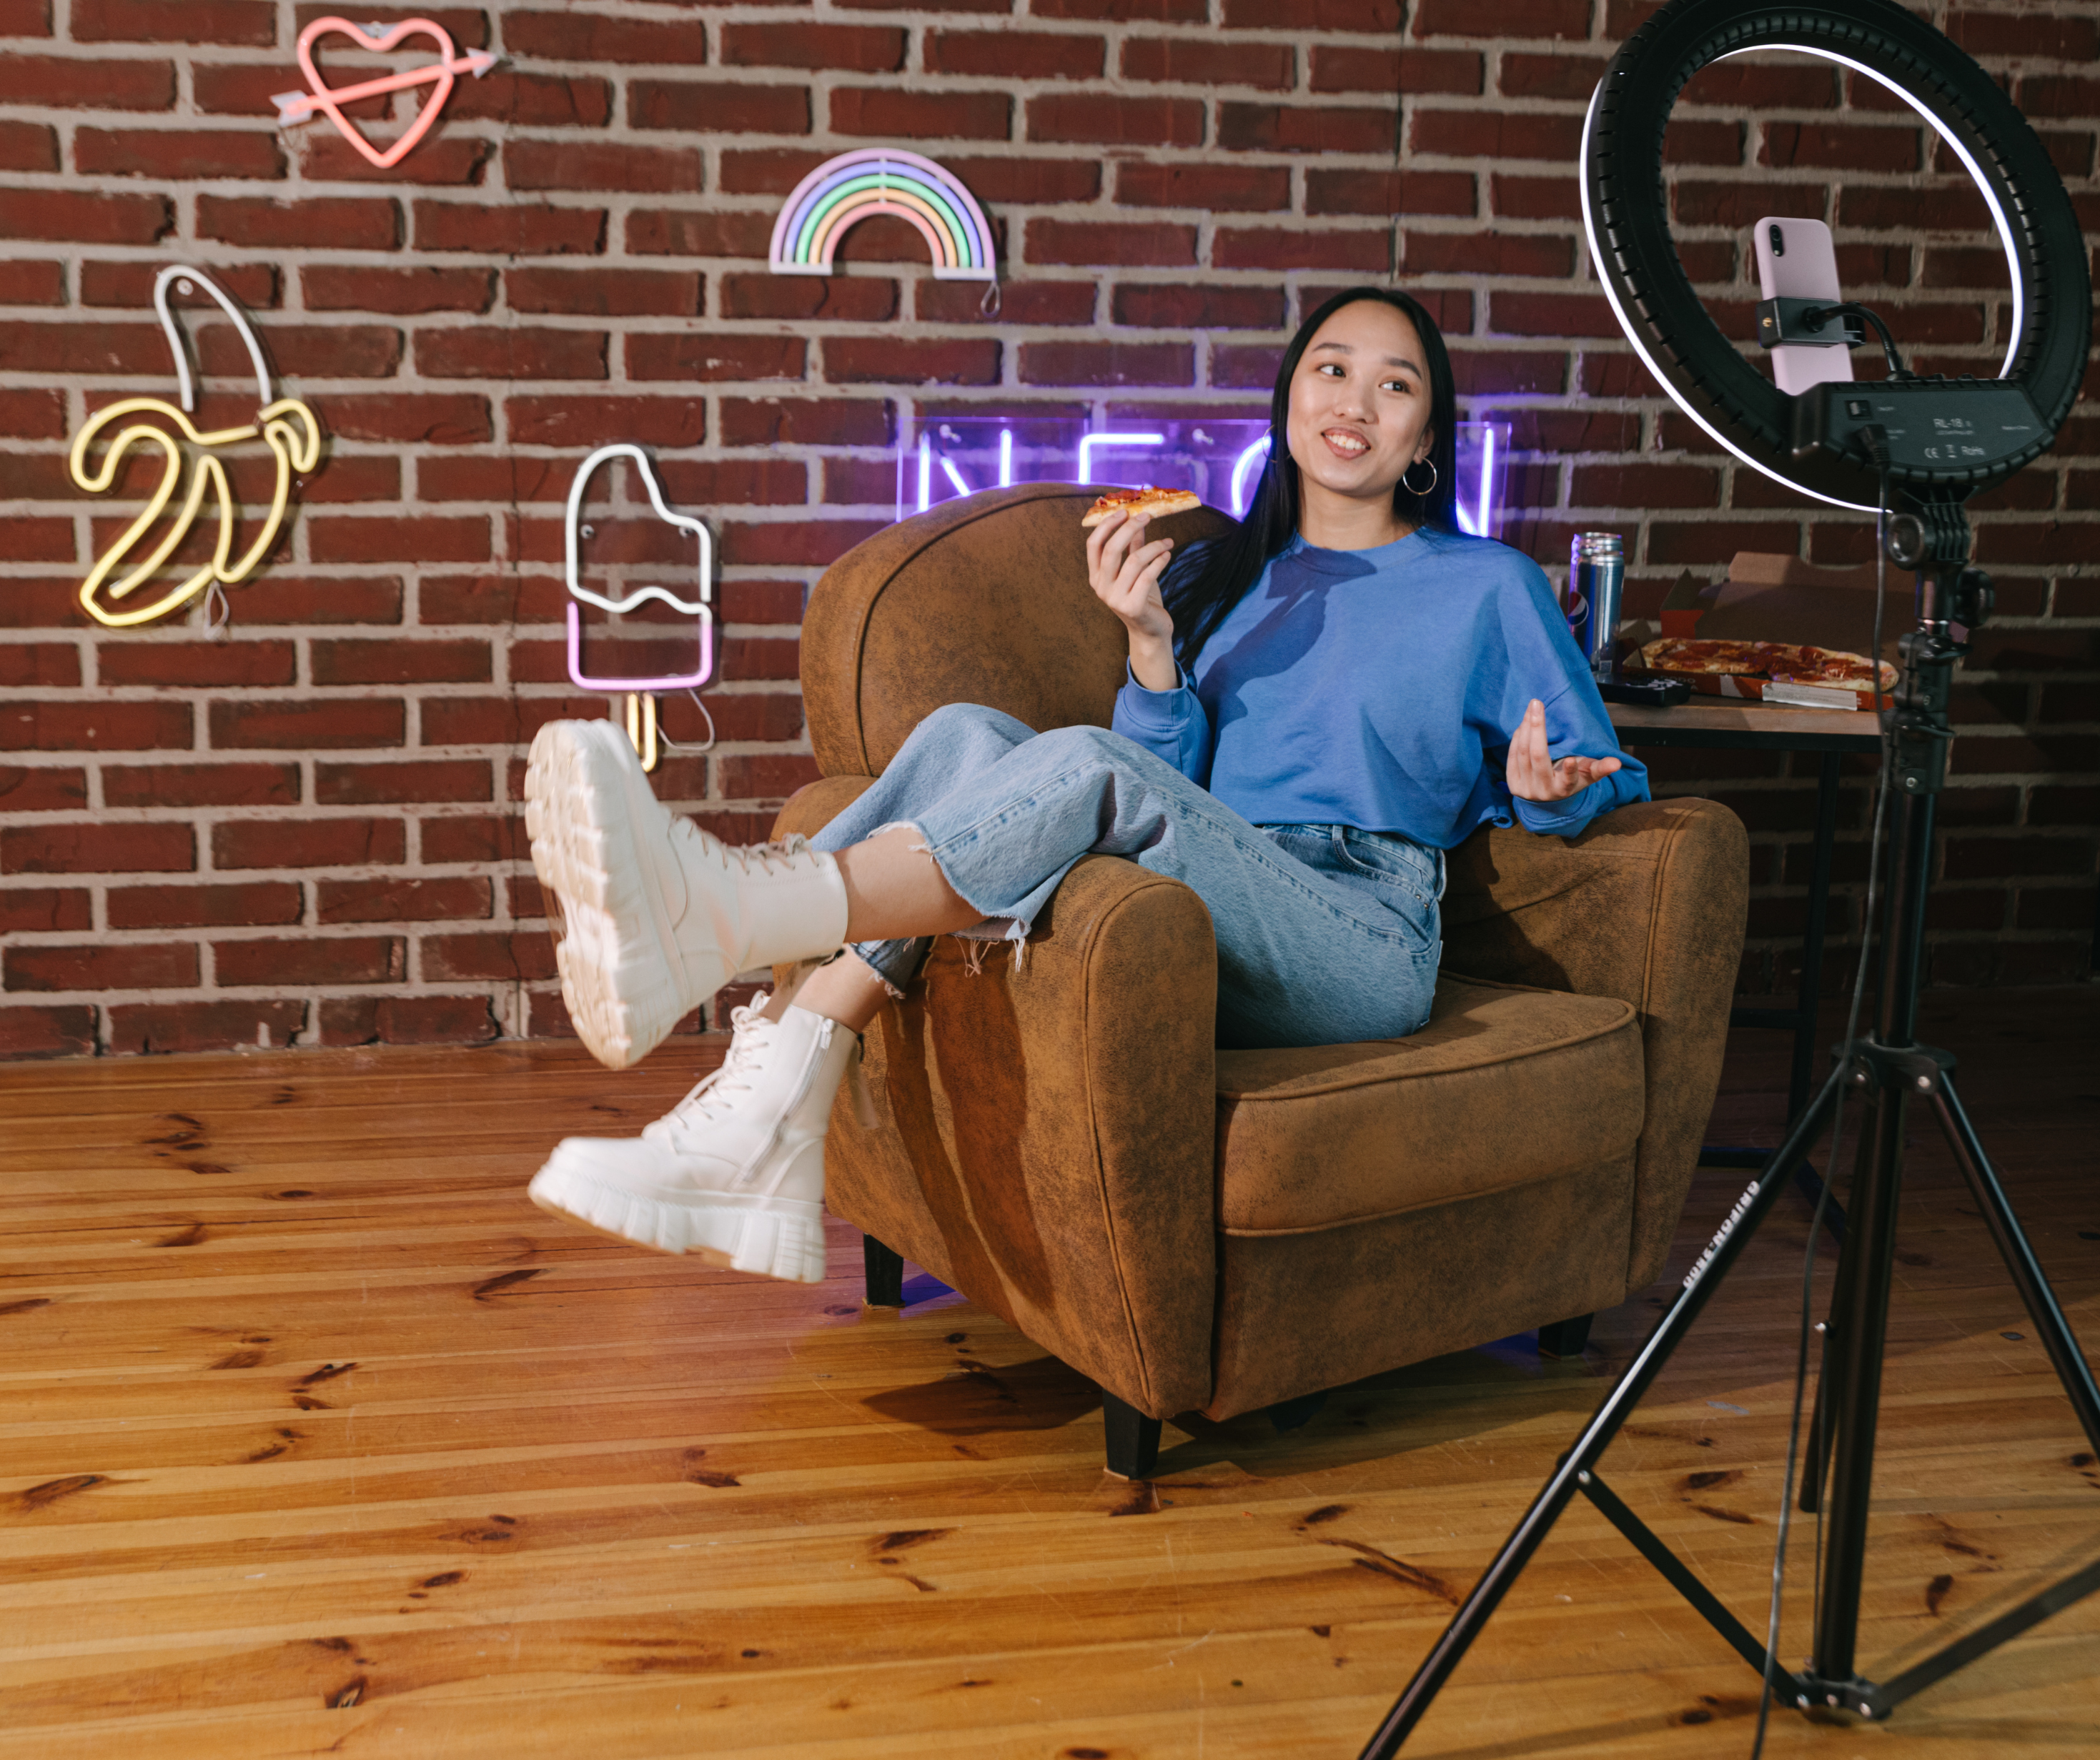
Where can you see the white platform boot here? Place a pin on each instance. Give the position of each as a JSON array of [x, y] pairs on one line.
[[656, 914], [734, 1172]]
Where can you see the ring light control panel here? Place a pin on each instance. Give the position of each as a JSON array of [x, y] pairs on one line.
[[1956, 426]]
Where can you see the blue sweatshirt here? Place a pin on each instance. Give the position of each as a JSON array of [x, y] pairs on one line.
[[1378, 688]]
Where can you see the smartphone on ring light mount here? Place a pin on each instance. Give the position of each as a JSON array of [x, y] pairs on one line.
[[1795, 261]]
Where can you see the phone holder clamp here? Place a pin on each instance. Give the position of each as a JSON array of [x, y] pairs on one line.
[[1807, 323]]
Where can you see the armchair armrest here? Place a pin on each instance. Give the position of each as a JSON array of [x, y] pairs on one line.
[[816, 804], [1648, 905], [1046, 1126]]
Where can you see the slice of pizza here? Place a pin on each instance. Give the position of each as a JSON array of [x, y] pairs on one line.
[[1835, 668], [1147, 500], [1705, 654], [1783, 659]]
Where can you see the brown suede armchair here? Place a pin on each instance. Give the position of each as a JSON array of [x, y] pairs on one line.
[[1222, 1231]]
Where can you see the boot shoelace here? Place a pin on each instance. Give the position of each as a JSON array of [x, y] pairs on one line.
[[791, 854], [709, 1097]]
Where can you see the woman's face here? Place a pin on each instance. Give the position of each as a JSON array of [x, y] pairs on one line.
[[1360, 403]]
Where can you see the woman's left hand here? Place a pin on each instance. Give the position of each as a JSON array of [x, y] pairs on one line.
[[1533, 776]]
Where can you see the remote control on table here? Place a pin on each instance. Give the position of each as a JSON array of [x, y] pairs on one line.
[[1648, 693]]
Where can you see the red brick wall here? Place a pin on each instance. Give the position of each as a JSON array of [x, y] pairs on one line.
[[305, 829]]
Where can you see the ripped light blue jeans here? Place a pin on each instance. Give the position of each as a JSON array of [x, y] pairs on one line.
[[1325, 934]]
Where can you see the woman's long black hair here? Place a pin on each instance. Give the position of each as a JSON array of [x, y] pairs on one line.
[[1203, 584]]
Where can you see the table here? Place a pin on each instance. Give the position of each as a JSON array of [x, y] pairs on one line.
[[1714, 725]]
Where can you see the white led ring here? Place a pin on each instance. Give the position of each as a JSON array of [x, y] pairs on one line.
[[1625, 213]]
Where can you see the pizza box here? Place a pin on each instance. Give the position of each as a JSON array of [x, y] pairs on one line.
[[1778, 598], [1779, 691]]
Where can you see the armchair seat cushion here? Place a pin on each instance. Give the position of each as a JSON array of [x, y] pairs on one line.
[[1506, 1086]]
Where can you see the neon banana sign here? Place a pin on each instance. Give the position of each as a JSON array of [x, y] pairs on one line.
[[286, 425]]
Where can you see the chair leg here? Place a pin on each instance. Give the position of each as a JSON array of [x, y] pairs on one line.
[[1133, 1439], [1295, 1414], [1565, 1338], [885, 1273]]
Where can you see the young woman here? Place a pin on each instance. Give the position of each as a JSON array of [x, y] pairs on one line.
[[1317, 706]]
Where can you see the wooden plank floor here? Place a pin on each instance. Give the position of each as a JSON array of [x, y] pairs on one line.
[[316, 1437]]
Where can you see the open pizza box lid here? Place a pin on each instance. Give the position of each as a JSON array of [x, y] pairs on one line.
[[1776, 598]]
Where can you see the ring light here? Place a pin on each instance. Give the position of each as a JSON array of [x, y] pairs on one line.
[[1939, 439], [1625, 213]]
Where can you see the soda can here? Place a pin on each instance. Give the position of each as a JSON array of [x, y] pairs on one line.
[[1596, 575]]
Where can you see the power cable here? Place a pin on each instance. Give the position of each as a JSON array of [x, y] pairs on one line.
[[1816, 317], [1876, 444], [707, 745]]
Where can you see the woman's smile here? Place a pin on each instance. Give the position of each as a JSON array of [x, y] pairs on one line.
[[1345, 442]]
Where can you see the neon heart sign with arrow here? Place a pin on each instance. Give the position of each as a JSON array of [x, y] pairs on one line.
[[324, 99]]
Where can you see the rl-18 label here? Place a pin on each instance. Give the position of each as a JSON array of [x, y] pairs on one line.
[[1722, 1233]]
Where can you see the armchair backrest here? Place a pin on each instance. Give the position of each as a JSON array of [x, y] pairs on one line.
[[982, 599]]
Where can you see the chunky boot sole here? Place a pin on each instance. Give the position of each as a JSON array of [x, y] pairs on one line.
[[775, 1237], [593, 827]]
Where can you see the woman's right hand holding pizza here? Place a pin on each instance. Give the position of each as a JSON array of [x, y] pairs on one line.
[[1124, 572]]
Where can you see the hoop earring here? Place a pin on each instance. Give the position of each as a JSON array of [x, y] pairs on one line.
[[1419, 495]]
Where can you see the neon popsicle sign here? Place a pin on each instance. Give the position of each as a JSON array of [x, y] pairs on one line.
[[699, 605]]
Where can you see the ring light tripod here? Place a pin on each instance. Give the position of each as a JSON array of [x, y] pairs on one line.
[[1838, 443]]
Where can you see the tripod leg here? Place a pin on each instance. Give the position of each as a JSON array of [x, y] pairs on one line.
[[1815, 1453], [1860, 1327], [1705, 1275], [1815, 1457], [2048, 1321], [1803, 1072]]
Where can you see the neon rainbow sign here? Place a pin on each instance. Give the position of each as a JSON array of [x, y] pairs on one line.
[[843, 191]]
